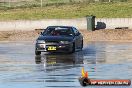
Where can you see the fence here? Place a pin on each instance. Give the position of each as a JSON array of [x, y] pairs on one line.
[[41, 3]]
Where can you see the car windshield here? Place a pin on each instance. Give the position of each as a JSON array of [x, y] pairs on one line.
[[58, 31]]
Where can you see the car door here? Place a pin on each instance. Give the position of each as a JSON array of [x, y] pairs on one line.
[[77, 38]]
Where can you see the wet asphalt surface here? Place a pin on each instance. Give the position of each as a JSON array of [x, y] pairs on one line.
[[20, 68]]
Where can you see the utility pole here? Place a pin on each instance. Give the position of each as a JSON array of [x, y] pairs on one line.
[[9, 3], [41, 3]]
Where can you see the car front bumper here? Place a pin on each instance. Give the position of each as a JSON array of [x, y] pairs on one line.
[[44, 47]]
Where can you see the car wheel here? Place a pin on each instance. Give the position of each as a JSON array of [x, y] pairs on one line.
[[82, 45], [37, 52], [73, 48]]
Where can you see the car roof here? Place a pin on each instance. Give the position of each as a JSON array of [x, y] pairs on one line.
[[60, 26]]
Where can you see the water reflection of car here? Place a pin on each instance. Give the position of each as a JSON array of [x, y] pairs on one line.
[[59, 39], [53, 59]]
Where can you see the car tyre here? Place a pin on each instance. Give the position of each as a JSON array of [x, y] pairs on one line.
[[37, 52], [82, 45], [73, 48]]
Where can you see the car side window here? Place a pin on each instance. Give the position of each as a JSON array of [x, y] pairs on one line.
[[76, 32]]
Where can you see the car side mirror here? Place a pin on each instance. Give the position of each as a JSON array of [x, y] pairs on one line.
[[41, 33], [77, 34]]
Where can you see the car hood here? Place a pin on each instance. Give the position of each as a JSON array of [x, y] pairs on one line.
[[55, 38]]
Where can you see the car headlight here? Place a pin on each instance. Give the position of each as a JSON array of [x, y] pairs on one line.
[[40, 41], [64, 42]]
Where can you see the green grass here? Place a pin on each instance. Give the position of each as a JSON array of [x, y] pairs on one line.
[[100, 10]]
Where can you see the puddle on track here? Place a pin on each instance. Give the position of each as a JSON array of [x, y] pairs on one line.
[[20, 68]]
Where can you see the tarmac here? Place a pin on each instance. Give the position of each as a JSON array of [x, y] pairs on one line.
[[20, 68]]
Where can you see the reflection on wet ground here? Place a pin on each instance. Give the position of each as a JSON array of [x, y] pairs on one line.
[[20, 68]]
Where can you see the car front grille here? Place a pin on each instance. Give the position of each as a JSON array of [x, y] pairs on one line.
[[51, 41]]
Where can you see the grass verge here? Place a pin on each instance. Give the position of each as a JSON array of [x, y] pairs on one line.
[[78, 10]]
